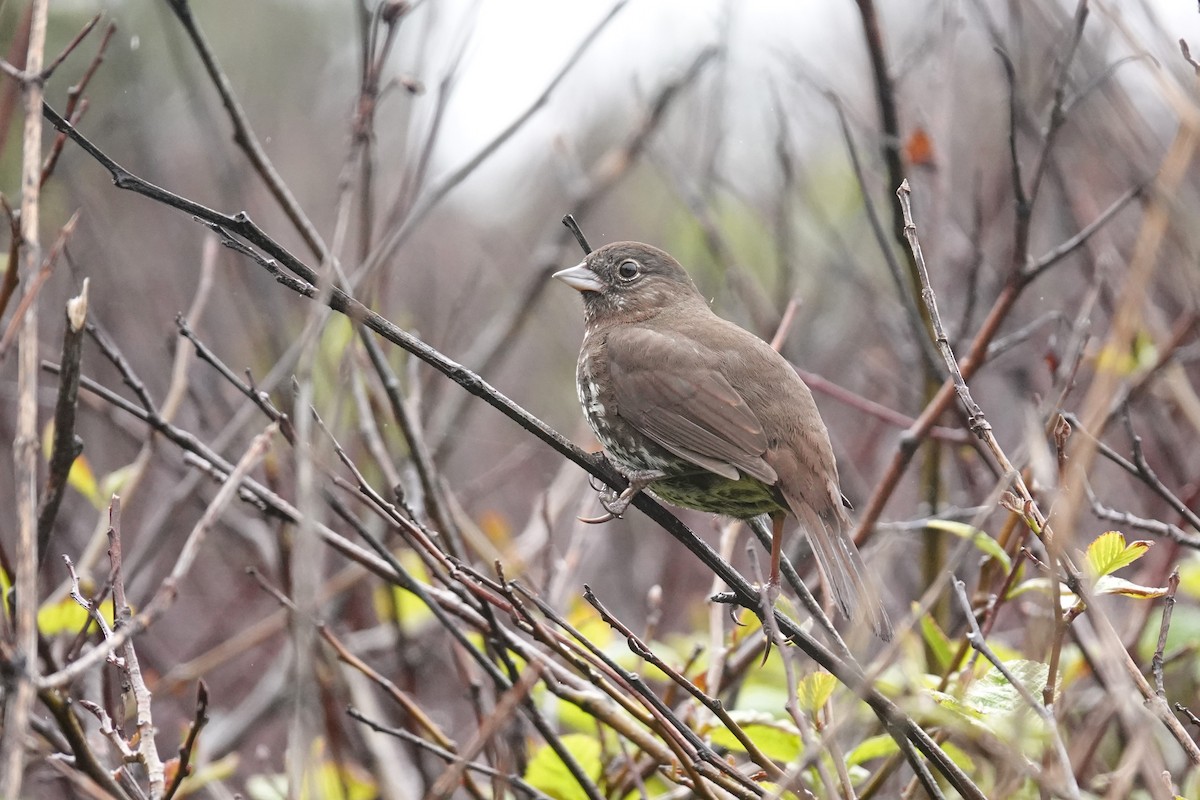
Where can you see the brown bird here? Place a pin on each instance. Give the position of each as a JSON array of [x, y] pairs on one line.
[[707, 415]]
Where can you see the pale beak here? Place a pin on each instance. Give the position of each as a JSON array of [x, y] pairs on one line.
[[580, 278]]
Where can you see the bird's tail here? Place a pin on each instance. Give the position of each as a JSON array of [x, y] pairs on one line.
[[841, 566]]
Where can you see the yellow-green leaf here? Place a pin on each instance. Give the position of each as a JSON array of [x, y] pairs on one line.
[[814, 691], [777, 738], [80, 477], [393, 602], [1189, 577], [937, 641], [548, 773], [984, 543], [871, 748], [67, 616], [1109, 552]]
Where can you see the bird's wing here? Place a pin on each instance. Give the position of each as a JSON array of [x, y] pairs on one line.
[[669, 391]]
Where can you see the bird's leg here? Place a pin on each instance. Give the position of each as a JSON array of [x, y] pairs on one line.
[[777, 520], [614, 507]]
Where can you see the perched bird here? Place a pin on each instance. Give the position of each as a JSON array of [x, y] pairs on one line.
[[707, 415]]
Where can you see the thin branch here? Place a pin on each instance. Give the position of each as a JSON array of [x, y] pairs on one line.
[[188, 748], [67, 445], [20, 694], [1164, 627]]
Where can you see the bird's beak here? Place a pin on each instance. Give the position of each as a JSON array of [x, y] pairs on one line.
[[580, 278]]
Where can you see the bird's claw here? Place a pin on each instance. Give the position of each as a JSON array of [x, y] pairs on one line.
[[614, 506]]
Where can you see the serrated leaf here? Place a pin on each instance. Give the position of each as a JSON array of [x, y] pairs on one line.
[[1109, 552], [984, 543], [992, 693], [814, 691], [1111, 584], [547, 772], [777, 738]]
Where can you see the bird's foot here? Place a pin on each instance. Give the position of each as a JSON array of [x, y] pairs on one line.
[[768, 595], [617, 504]]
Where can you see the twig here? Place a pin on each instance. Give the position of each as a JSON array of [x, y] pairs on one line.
[[1156, 663], [573, 227], [91, 608], [260, 399], [135, 682], [447, 755], [19, 697], [1154, 526], [67, 445], [188, 748]]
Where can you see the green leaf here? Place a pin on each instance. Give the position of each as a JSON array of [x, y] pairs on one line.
[[777, 738], [1109, 552], [959, 757], [815, 690], [67, 616], [992, 693], [873, 747], [548, 773], [986, 544], [937, 641]]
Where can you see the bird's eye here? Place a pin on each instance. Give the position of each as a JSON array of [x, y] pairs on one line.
[[628, 270]]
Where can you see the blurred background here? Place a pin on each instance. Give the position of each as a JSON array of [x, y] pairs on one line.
[[744, 138]]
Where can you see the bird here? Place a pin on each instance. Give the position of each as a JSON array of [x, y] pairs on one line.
[[708, 416]]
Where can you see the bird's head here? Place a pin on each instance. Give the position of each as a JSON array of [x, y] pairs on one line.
[[628, 281]]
